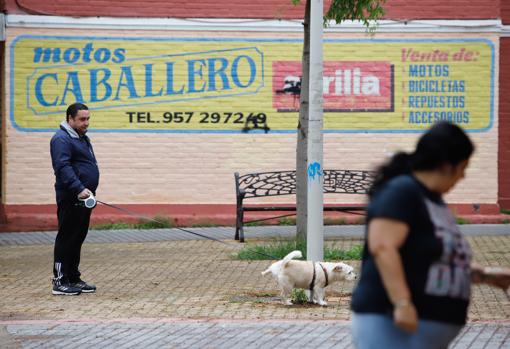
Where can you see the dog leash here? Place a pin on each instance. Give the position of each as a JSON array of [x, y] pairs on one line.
[[137, 215]]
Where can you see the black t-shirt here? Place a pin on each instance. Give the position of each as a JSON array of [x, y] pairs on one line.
[[435, 256]]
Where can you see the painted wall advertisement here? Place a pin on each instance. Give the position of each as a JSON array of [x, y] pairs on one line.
[[249, 84]]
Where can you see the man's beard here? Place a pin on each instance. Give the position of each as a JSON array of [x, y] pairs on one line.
[[80, 132]]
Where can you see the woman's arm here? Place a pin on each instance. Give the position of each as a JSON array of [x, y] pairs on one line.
[[493, 276], [385, 237]]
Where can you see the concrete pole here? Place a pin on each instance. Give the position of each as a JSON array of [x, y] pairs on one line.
[[315, 179]]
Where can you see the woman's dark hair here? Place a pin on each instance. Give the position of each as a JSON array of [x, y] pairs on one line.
[[73, 109], [443, 143]]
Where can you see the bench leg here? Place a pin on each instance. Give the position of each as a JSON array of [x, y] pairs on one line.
[[239, 222], [241, 234], [239, 226]]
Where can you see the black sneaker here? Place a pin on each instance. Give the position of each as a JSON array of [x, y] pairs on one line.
[[65, 290], [84, 287]]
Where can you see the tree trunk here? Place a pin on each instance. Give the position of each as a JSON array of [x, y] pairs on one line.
[[302, 133]]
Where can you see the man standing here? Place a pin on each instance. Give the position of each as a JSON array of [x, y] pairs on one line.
[[76, 178]]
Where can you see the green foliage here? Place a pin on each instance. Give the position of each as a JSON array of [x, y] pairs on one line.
[[162, 222], [354, 253], [252, 224], [158, 223], [112, 226], [355, 10], [291, 221], [505, 211], [287, 221], [281, 248], [298, 296], [204, 225], [277, 249], [461, 221]]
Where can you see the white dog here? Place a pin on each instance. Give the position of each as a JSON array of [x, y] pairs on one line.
[[308, 276]]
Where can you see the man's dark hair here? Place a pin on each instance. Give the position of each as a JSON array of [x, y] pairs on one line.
[[73, 109]]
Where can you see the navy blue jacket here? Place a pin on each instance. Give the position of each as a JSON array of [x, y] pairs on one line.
[[73, 162]]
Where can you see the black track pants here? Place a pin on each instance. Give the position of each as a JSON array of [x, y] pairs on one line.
[[73, 225]]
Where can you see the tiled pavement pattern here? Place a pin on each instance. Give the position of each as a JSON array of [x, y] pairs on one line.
[[135, 235], [216, 334], [173, 292]]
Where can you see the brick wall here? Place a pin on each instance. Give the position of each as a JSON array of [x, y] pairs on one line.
[[437, 9], [197, 168], [505, 11], [274, 9], [504, 121], [504, 112]]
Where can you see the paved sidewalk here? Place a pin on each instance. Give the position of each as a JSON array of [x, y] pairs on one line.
[[223, 233], [169, 289], [157, 334]]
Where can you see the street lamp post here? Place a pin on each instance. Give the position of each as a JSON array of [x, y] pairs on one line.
[[315, 179]]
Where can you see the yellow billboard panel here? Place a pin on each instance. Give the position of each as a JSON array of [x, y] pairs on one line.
[[219, 84]]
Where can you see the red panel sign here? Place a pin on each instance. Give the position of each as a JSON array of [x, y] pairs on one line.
[[347, 86]]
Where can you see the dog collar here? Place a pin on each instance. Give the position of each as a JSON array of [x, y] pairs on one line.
[[325, 273]]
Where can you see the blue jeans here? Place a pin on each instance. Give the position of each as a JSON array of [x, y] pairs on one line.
[[371, 331]]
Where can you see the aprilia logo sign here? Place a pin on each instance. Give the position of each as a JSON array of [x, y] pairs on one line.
[[347, 86]]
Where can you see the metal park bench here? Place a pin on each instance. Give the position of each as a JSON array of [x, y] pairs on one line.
[[257, 185]]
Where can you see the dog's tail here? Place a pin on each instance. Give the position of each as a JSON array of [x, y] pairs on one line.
[[292, 255], [277, 266], [268, 270]]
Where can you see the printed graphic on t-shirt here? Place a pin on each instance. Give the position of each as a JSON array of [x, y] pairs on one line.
[[450, 276]]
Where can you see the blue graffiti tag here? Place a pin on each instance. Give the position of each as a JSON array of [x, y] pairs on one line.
[[313, 170]]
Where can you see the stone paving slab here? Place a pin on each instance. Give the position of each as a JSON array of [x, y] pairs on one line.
[[227, 233], [211, 334]]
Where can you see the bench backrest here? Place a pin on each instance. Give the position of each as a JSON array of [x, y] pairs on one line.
[[253, 185]]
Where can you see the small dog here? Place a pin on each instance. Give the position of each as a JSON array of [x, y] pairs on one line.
[[308, 275]]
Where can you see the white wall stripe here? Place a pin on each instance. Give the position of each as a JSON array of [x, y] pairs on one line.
[[505, 30], [225, 24]]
